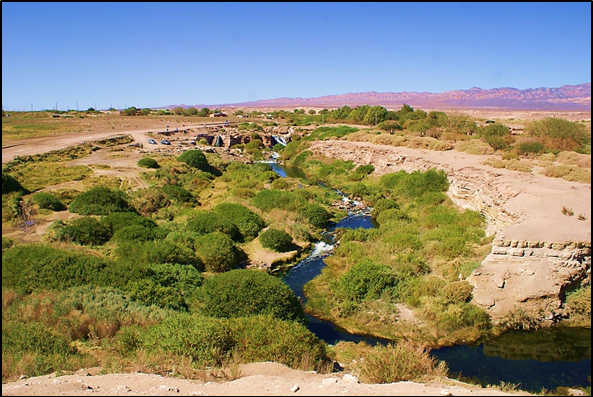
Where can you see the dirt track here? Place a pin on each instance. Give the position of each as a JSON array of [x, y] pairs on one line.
[[257, 379]]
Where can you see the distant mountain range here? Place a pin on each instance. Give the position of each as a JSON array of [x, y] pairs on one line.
[[567, 97]]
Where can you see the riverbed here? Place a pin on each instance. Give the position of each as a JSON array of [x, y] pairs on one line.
[[547, 358]]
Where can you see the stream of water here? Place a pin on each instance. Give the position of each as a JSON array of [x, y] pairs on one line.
[[548, 358]]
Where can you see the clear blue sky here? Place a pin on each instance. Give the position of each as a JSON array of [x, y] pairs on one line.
[[156, 54]]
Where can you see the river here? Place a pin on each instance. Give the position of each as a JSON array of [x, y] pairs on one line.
[[547, 358]]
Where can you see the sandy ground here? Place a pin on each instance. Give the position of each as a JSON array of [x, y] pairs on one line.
[[257, 379]]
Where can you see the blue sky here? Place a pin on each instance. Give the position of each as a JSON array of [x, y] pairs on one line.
[[156, 54]]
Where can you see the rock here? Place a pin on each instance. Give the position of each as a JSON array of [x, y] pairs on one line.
[[295, 388], [22, 377], [329, 382], [575, 392], [123, 388], [169, 388], [446, 392], [350, 378]]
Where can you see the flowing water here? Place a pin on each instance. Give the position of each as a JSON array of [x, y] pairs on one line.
[[548, 358]]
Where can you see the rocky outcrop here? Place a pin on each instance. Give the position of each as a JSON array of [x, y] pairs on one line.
[[530, 275], [537, 253]]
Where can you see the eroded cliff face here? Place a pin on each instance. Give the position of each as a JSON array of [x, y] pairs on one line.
[[543, 253], [530, 275]]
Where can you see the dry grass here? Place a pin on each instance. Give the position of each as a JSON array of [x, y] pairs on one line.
[[512, 165], [474, 146], [405, 361], [568, 172]]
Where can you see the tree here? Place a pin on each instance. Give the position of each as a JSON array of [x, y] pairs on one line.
[[390, 126], [204, 112], [358, 114], [178, 111], [312, 112], [375, 115]]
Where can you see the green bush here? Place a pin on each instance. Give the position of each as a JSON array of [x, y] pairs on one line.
[[241, 293], [366, 281], [530, 147], [100, 201], [33, 338], [209, 222], [149, 292], [316, 215], [10, 184], [196, 159], [276, 240], [138, 233], [148, 162], [267, 338], [383, 204], [7, 242], [157, 251], [30, 267], [217, 251], [269, 199], [48, 201], [178, 194], [86, 231], [206, 341], [248, 222], [118, 220], [415, 184], [560, 134]]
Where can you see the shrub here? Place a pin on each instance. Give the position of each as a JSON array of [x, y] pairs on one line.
[[458, 292], [474, 146], [269, 199], [405, 361], [118, 220], [206, 341], [87, 231], [415, 184], [560, 134], [100, 201], [157, 251], [267, 338], [530, 147], [276, 240], [208, 222], [217, 251], [138, 233], [10, 184], [29, 267], [248, 222], [196, 159], [383, 204], [316, 215], [178, 194], [148, 162], [7, 242], [366, 281], [48, 201], [241, 293], [149, 201]]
